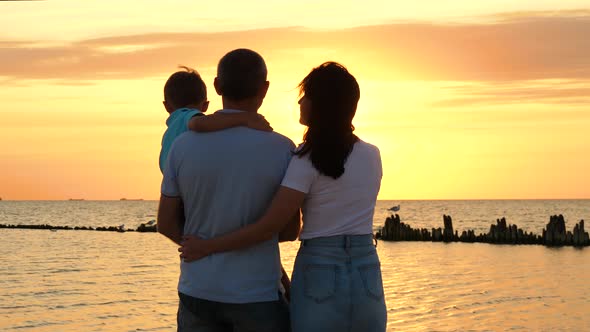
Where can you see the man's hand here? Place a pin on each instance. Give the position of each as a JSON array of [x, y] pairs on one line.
[[193, 248], [257, 121]]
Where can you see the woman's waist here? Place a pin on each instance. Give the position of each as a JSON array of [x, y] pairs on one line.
[[340, 241], [330, 227]]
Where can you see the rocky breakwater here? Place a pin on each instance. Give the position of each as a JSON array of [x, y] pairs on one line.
[[554, 234], [142, 228]]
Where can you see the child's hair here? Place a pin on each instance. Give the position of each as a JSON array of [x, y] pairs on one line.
[[184, 88]]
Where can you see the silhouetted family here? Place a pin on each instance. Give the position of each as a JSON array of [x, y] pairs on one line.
[[232, 189]]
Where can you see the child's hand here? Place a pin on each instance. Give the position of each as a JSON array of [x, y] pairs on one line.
[[257, 121], [192, 248]]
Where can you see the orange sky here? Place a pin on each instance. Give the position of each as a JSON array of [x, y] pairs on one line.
[[468, 105]]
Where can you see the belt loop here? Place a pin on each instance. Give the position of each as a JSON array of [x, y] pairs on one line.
[[375, 240], [347, 241]]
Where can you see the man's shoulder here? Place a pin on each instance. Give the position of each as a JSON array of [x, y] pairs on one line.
[[272, 138], [262, 138], [282, 139], [183, 139]]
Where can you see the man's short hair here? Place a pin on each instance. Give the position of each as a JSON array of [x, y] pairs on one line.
[[184, 88], [240, 74]]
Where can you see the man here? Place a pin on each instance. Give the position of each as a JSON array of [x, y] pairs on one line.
[[226, 179]]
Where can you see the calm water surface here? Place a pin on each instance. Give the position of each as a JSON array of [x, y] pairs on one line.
[[95, 281]]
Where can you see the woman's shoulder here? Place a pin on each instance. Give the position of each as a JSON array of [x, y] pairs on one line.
[[366, 147]]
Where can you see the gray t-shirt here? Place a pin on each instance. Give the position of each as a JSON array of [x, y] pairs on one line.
[[226, 180]]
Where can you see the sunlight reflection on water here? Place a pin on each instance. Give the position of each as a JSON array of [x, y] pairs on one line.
[[95, 281]]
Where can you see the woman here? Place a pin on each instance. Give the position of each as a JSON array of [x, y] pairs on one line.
[[334, 177]]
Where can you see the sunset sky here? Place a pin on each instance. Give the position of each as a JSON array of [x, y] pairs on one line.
[[465, 99]]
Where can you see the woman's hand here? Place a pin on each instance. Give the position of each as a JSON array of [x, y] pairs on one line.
[[193, 248]]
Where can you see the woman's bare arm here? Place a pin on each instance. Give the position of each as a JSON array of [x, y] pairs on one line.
[[285, 204], [291, 230]]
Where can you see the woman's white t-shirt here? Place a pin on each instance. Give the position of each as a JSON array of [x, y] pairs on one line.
[[343, 206]]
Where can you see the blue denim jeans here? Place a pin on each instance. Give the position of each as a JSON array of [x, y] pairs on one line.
[[337, 286], [198, 315]]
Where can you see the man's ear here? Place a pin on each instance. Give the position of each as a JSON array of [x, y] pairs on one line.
[[263, 89], [217, 86]]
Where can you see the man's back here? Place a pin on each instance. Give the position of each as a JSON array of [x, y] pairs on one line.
[[227, 179]]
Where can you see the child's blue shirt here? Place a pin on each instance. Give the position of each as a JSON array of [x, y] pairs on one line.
[[177, 124]]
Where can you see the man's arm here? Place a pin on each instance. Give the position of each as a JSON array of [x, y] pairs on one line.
[[171, 218], [286, 282], [219, 121], [291, 230]]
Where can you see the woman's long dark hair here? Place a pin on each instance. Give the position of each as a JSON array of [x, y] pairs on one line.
[[334, 94]]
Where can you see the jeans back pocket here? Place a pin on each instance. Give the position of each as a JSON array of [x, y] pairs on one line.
[[372, 280], [320, 282]]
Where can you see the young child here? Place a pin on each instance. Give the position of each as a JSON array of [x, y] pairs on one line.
[[185, 99]]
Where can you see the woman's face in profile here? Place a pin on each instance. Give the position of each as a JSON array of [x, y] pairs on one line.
[[304, 110]]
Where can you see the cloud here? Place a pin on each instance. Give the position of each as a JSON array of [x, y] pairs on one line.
[[555, 92], [526, 16], [514, 46]]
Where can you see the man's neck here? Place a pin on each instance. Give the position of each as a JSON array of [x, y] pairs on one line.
[[247, 105]]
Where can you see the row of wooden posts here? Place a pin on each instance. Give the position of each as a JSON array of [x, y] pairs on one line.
[[554, 234], [143, 228]]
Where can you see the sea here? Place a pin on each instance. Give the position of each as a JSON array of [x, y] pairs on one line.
[[70, 280]]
